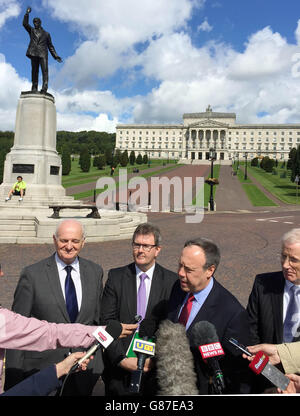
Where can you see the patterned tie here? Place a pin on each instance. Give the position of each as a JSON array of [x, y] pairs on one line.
[[141, 296], [186, 310], [292, 320], [71, 299]]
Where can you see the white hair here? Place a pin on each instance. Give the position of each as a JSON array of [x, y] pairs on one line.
[[291, 237]]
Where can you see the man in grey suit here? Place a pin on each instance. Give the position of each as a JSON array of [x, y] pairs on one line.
[[63, 288], [40, 42], [274, 302], [121, 302]]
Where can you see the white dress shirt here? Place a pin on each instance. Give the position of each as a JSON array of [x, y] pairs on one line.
[[62, 273]]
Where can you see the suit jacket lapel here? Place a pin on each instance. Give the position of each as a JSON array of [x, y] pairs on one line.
[[54, 284], [130, 291], [155, 290], [277, 307], [84, 287]]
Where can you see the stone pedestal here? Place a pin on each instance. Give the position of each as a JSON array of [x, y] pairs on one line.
[[34, 155]]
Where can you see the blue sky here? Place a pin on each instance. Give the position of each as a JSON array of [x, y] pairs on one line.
[[150, 61]]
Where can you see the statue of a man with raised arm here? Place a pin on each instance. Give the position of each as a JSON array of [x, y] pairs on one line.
[[40, 42]]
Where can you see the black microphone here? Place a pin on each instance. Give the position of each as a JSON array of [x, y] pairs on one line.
[[175, 370], [143, 349], [204, 337], [104, 336]]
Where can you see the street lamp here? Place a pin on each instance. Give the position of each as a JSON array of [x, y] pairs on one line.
[[245, 176], [212, 157]]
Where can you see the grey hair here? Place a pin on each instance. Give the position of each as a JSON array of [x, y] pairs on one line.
[[147, 228], [211, 251], [70, 220], [291, 237]]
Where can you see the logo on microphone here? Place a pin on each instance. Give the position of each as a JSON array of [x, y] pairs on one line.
[[143, 346], [211, 350], [259, 362], [102, 336]]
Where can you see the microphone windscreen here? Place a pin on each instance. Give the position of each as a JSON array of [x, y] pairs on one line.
[[203, 333], [114, 328], [174, 361], [147, 328]]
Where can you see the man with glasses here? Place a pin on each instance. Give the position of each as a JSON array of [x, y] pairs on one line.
[[63, 288], [274, 302], [140, 288]]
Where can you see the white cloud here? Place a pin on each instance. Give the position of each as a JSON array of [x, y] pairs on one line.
[[8, 9], [154, 43], [113, 30], [205, 26]]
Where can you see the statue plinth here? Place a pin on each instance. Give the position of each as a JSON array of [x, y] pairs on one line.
[[34, 155]]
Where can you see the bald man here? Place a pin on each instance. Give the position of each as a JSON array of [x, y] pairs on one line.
[[63, 288]]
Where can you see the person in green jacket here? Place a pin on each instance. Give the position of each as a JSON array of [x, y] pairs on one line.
[[18, 189]]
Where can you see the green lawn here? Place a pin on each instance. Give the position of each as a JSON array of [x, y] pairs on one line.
[[90, 192], [282, 188], [254, 194], [77, 177]]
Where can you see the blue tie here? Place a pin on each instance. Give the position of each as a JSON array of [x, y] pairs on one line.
[[292, 321], [70, 292]]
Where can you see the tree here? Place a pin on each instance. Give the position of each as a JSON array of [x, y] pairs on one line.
[[124, 159], [66, 160], [85, 159], [101, 162], [117, 158], [292, 156], [145, 159], [139, 159], [254, 162], [269, 165], [132, 157], [295, 168]]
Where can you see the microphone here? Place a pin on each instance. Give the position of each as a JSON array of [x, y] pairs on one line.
[[174, 361], [104, 336], [143, 348], [204, 337], [260, 365]]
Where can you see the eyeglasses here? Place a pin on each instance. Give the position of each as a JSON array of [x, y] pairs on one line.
[[145, 247], [291, 260]]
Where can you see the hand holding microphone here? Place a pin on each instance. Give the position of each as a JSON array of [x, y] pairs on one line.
[[104, 337], [260, 365]]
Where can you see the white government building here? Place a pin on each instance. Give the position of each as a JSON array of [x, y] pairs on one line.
[[190, 142]]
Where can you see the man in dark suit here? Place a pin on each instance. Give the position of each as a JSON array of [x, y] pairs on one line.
[[40, 42], [274, 302], [121, 302], [63, 288], [197, 296]]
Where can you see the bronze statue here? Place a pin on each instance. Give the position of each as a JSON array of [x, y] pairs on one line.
[[40, 42]]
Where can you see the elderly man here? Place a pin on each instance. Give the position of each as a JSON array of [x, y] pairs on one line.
[[142, 287], [197, 296], [274, 302], [63, 288]]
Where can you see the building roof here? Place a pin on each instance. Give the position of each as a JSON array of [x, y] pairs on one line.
[[209, 114]]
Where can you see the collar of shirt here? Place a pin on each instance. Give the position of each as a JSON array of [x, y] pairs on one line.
[[75, 277], [200, 298], [61, 265]]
